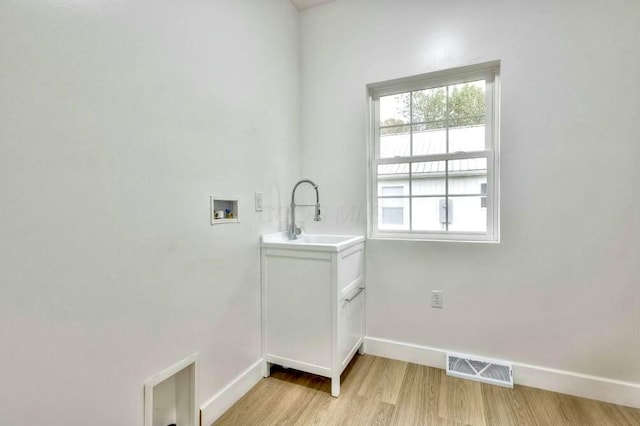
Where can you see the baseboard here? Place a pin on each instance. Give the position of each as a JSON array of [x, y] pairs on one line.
[[568, 382], [230, 394]]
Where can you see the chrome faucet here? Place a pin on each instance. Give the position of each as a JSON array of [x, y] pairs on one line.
[[294, 231]]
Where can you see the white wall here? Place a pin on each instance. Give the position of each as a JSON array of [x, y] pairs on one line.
[[561, 289], [118, 119]]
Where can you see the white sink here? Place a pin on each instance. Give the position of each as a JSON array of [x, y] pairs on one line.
[[318, 242]]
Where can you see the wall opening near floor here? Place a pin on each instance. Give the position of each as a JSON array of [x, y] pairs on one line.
[[170, 396]]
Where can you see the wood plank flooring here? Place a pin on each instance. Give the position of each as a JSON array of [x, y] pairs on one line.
[[380, 391]]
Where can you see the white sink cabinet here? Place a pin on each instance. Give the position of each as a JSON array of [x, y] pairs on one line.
[[313, 303]]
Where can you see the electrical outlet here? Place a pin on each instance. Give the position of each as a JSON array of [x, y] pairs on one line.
[[259, 207], [437, 299]]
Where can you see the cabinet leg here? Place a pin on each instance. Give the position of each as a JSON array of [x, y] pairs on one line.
[[335, 386], [266, 369]]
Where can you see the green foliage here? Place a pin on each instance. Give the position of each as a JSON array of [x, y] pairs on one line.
[[465, 108], [393, 122], [429, 105], [398, 127]]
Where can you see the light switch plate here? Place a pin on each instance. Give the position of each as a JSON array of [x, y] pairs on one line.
[[259, 206]]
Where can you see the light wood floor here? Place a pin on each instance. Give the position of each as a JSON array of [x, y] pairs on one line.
[[380, 391]]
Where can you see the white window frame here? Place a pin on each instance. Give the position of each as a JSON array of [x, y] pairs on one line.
[[490, 72]]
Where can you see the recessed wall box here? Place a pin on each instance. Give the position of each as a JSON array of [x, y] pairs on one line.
[[224, 210]]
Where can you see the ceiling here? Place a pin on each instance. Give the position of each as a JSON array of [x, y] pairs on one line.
[[308, 4]]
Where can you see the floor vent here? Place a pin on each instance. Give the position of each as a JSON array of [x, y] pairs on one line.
[[480, 369]]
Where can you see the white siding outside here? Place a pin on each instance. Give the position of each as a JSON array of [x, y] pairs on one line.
[[428, 189]]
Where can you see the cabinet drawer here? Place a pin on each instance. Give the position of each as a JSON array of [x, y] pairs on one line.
[[350, 266]]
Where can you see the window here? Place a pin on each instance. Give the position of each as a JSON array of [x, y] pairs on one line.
[[434, 145]]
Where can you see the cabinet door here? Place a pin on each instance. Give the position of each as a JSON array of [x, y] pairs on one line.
[[298, 310], [350, 324]]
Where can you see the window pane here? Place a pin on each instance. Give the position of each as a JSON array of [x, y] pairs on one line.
[[425, 215], [467, 176], [394, 109], [393, 213], [467, 215], [429, 138], [429, 104], [428, 178], [465, 138], [392, 216], [395, 141], [391, 191], [393, 175], [466, 100], [467, 116]]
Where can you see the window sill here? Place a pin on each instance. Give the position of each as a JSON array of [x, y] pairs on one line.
[[449, 238]]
